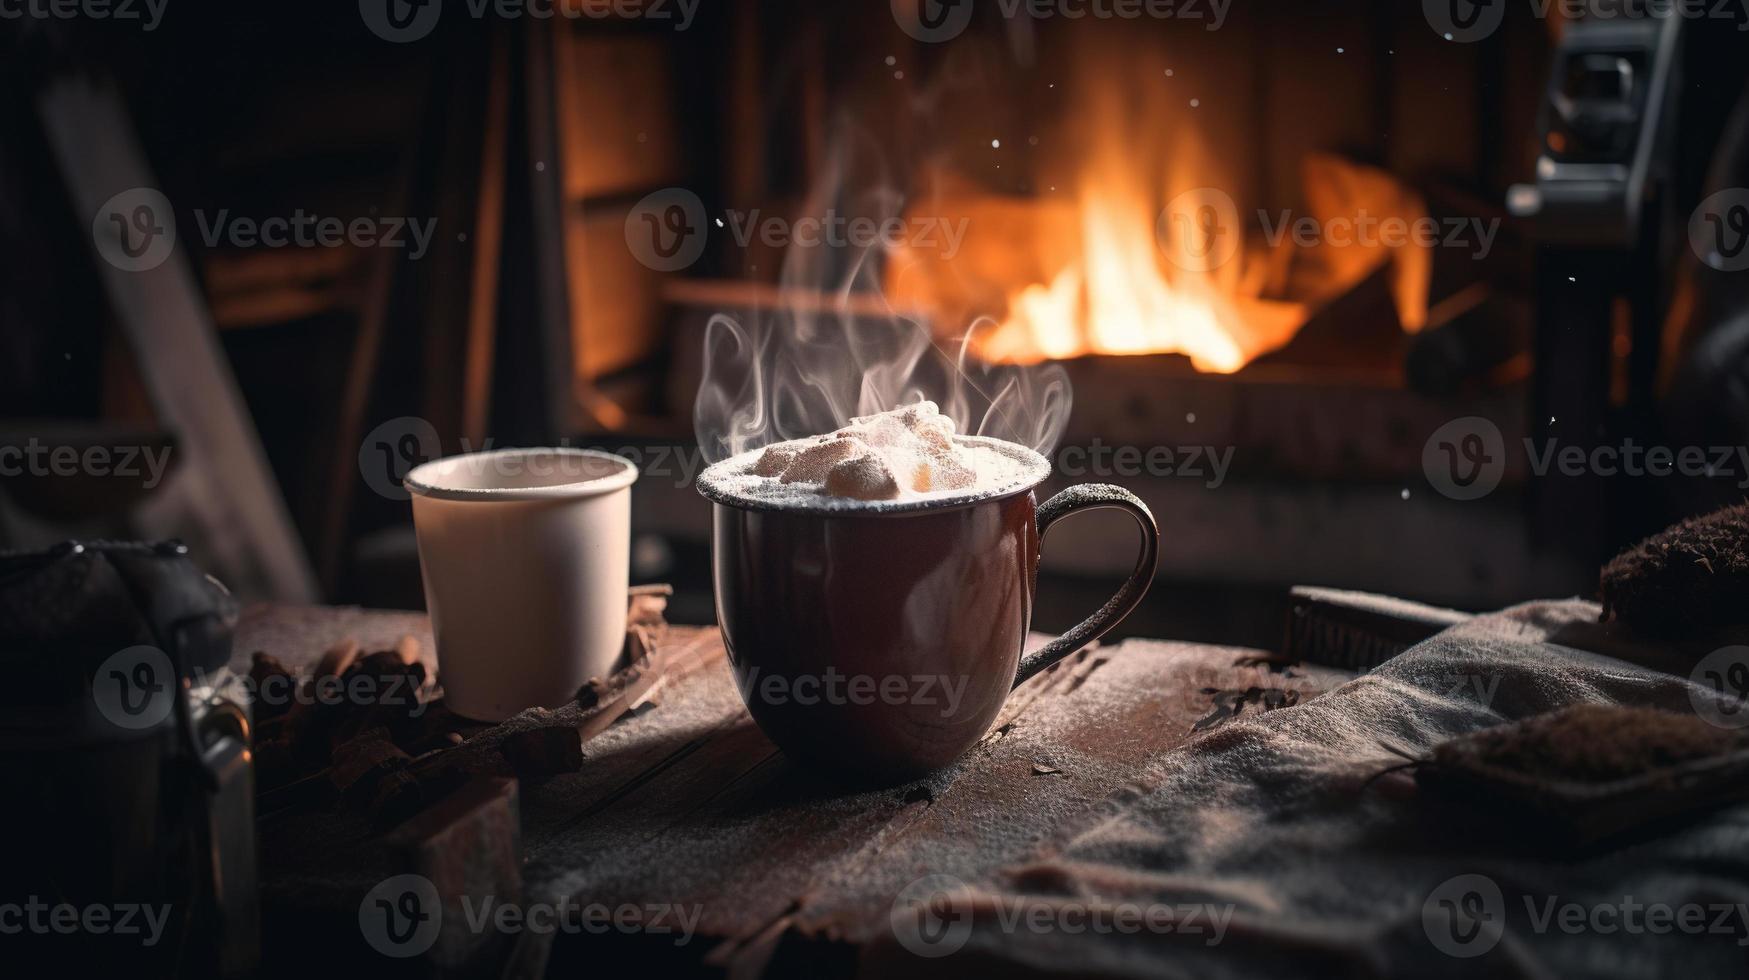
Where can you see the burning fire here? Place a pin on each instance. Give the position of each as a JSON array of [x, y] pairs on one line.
[[1117, 297], [1147, 255]]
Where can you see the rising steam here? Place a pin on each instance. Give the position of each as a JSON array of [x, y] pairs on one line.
[[835, 349]]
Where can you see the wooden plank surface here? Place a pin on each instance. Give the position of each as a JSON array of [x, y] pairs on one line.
[[787, 869]]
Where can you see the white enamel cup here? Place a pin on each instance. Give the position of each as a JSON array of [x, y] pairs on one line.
[[526, 557]]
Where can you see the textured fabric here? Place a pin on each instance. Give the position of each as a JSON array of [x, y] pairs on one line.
[[1271, 819]]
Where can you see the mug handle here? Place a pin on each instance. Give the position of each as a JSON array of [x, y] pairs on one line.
[[1093, 496]]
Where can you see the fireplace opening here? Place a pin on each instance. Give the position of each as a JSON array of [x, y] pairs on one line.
[[1332, 292]]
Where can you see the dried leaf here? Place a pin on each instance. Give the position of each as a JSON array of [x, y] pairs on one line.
[[1230, 704]]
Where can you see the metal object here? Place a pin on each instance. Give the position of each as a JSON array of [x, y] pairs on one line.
[[1605, 132], [1357, 630], [135, 755], [1600, 212]]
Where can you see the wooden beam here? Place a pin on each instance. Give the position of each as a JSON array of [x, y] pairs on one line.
[[488, 248], [225, 499], [561, 392]]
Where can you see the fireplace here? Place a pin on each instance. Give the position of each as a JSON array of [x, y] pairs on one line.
[[1273, 267], [1265, 299]]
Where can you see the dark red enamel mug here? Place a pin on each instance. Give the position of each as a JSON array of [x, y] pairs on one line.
[[881, 639]]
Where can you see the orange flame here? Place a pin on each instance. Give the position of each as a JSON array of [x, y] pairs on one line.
[[1148, 255]]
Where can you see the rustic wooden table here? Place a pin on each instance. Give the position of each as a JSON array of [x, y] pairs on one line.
[[770, 868]]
